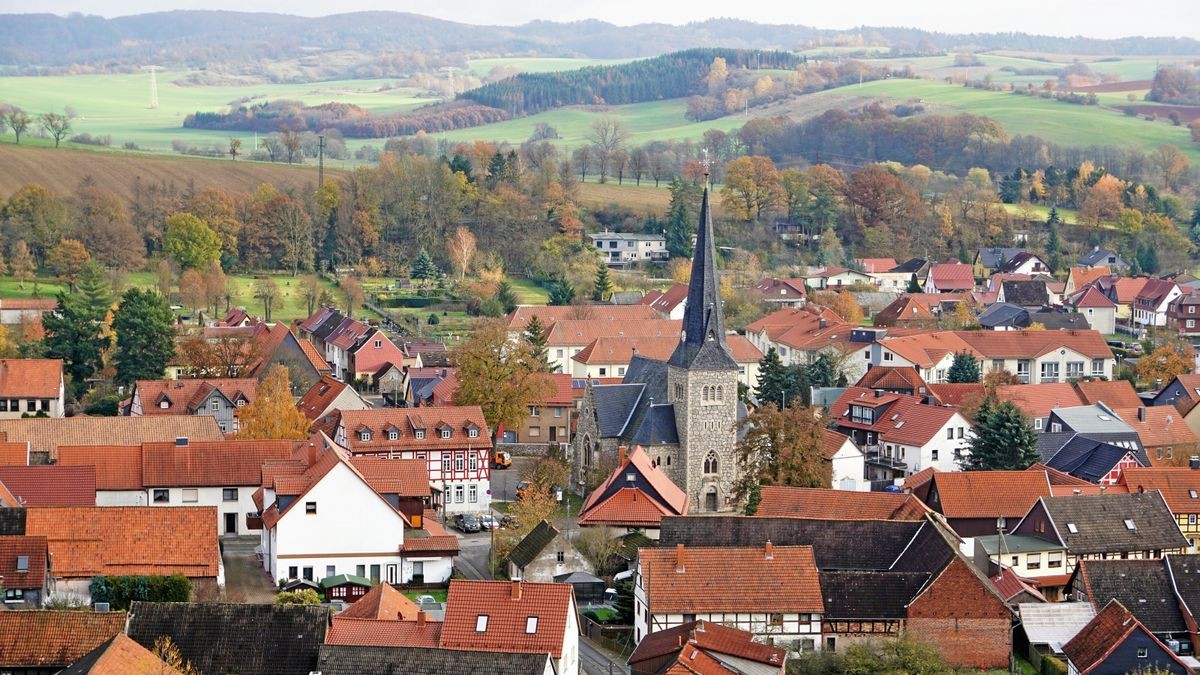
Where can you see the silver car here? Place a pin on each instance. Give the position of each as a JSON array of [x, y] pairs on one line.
[[489, 522]]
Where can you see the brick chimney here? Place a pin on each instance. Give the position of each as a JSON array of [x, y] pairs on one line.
[[420, 618], [516, 589], [769, 551], [312, 454], [622, 453], [680, 567]]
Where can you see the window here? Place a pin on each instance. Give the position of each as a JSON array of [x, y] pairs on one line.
[[1192, 494], [458, 461], [603, 372], [560, 353], [215, 405], [560, 556], [534, 411], [934, 455], [472, 462], [961, 431], [161, 404], [308, 574], [1033, 561], [445, 433], [1054, 559], [473, 494], [360, 570], [364, 436], [1143, 652], [1072, 529], [710, 463], [1129, 525], [887, 356], [191, 495], [862, 415], [379, 344], [531, 623], [393, 435], [535, 431], [1191, 323], [162, 496], [419, 434], [229, 494], [621, 370], [446, 462], [775, 619], [330, 571], [481, 623], [1016, 560], [310, 507], [1074, 369], [374, 574], [14, 595], [1049, 371], [1056, 427], [950, 433], [1023, 371], [241, 403], [458, 493], [293, 571], [1097, 366], [472, 433], [1191, 309]]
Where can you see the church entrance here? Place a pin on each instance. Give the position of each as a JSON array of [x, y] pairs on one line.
[[710, 500]]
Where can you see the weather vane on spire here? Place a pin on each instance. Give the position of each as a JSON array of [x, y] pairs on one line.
[[706, 163]]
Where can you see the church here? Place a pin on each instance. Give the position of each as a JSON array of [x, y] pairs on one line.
[[683, 411]]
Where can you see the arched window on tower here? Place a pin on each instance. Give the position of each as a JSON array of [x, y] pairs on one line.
[[710, 463], [720, 393], [705, 396]]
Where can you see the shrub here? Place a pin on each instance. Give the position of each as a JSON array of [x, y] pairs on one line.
[[120, 591], [433, 320], [304, 596], [1053, 666]]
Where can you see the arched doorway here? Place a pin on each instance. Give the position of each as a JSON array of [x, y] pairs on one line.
[[710, 499]]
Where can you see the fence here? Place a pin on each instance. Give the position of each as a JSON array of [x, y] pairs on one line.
[[616, 639]]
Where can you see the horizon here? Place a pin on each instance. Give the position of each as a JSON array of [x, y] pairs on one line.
[[1021, 16]]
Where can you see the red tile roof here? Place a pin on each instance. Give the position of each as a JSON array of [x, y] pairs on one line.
[[954, 276], [581, 332], [1104, 633], [43, 304], [51, 485], [825, 504], [803, 329], [670, 299], [507, 611], [1092, 297], [1010, 585], [1160, 425], [43, 637], [1037, 400], [118, 467], [1057, 477], [404, 477], [13, 454], [767, 579], [114, 540], [892, 378], [1114, 393], [316, 401], [315, 357], [987, 494], [633, 506], [1082, 276], [1032, 344], [771, 288], [184, 396], [405, 421], [123, 656], [956, 393], [907, 420], [344, 630], [1180, 486], [12, 547], [628, 507], [519, 317], [382, 602], [209, 463], [1127, 289], [875, 265], [706, 636], [905, 311], [31, 378]]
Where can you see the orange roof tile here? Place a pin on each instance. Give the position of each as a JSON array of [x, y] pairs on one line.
[[1114, 393], [1092, 297], [113, 540], [904, 311], [803, 329], [709, 637], [47, 434], [507, 611], [1024, 344], [34, 574], [519, 317], [15, 453], [118, 467], [1108, 629], [382, 602], [670, 499], [876, 265], [1082, 276], [405, 477], [122, 656], [316, 401], [582, 332], [405, 421], [43, 637], [907, 420], [956, 393], [1037, 400], [209, 463], [31, 378], [891, 378], [1180, 485], [345, 630], [618, 350], [438, 543], [953, 276], [1158, 426], [987, 494], [779, 579], [1057, 477], [314, 356], [1010, 584], [1128, 288], [627, 506], [670, 299], [51, 485], [826, 504], [927, 349]]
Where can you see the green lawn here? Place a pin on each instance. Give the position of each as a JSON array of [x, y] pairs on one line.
[[1068, 215], [529, 293], [438, 595]]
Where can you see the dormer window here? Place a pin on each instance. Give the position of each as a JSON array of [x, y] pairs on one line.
[[241, 403], [393, 435], [445, 433], [364, 436], [472, 433], [419, 434], [164, 404]]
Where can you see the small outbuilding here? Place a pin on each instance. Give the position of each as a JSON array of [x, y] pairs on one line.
[[589, 590], [346, 588]]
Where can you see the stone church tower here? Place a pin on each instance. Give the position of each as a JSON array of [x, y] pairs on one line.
[[702, 385]]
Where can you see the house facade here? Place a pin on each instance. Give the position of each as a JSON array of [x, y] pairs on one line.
[[220, 399], [622, 249], [1152, 303], [545, 553], [31, 387]]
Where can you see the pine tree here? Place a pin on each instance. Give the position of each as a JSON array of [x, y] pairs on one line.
[[1148, 259], [561, 292], [602, 288], [423, 267], [1053, 245], [1004, 439], [145, 336], [73, 334], [682, 215], [963, 255], [964, 369], [94, 291], [1053, 219], [823, 372], [535, 335], [273, 413], [506, 297], [914, 284], [772, 379]]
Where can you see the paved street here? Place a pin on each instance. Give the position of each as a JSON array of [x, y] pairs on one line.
[[595, 661], [245, 579]]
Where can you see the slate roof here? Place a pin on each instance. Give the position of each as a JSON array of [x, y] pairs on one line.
[[235, 638], [1099, 256], [1085, 457], [1003, 314], [1099, 521], [822, 503], [1054, 623], [1185, 579], [1143, 586], [349, 660], [837, 544], [1057, 319], [703, 345], [529, 548], [12, 521], [861, 595], [1110, 627], [1031, 293], [506, 624], [769, 578], [44, 637], [51, 485], [992, 258], [119, 656]]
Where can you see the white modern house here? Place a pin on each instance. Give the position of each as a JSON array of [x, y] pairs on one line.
[[621, 248]]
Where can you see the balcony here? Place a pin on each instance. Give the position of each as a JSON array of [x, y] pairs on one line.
[[876, 456]]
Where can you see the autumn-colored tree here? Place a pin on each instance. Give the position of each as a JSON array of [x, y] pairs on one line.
[[67, 259], [502, 376], [962, 318], [9, 349], [844, 305], [461, 249], [1103, 201], [273, 413], [21, 264], [562, 210], [536, 504], [879, 197], [170, 656], [1170, 162], [221, 356], [781, 447], [193, 292], [312, 290], [352, 293], [216, 286], [304, 596], [38, 217], [106, 230], [190, 241], [1166, 363], [752, 187]]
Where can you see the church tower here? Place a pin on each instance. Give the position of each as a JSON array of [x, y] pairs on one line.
[[702, 385]]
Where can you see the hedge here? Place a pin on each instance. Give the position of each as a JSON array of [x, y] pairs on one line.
[[120, 591], [1053, 666], [417, 302]]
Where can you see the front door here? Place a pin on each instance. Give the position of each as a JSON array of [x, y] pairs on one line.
[[391, 574], [710, 501], [230, 523], [418, 572], [553, 434]]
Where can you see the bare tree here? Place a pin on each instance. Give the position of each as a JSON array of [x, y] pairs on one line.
[[56, 125], [582, 158], [608, 136], [291, 143], [235, 147], [639, 162], [267, 291], [19, 120], [461, 249]]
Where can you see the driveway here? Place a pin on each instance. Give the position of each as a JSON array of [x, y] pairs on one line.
[[245, 579]]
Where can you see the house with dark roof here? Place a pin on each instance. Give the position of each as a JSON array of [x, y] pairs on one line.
[[545, 553], [1144, 586], [878, 580], [992, 259], [356, 660], [1182, 315], [704, 646], [635, 496], [44, 642], [1152, 302], [781, 292], [234, 638], [1103, 257], [1024, 262], [1116, 642], [1090, 442], [1030, 294]]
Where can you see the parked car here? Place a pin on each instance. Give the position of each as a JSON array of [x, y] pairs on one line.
[[489, 522], [467, 523]]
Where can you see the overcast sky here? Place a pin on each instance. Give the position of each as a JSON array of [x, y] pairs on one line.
[[1094, 18]]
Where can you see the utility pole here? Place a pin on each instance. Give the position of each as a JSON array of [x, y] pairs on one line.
[[153, 85], [320, 162]]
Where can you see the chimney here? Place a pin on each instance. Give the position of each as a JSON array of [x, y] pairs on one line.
[[680, 567], [312, 454], [1142, 414], [879, 393], [769, 552], [1194, 462], [1141, 489], [516, 589], [622, 455], [420, 618], [181, 441], [821, 323]]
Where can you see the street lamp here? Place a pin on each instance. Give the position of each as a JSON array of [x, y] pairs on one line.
[[558, 497]]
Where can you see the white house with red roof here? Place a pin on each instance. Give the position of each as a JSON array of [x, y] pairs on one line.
[[1151, 303], [635, 496], [324, 515], [670, 303], [1100, 310], [950, 277], [453, 441], [31, 387]]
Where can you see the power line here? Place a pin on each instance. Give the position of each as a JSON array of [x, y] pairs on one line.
[[153, 85]]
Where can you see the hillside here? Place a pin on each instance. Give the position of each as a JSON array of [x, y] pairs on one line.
[[61, 171]]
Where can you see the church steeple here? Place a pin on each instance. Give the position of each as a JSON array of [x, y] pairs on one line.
[[703, 343]]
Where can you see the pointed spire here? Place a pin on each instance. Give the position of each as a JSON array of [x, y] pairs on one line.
[[703, 342]]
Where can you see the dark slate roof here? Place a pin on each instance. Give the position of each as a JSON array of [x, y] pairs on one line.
[[1100, 522], [615, 404], [854, 594], [353, 660], [1054, 319], [703, 344], [837, 544], [1003, 314], [1049, 443], [1030, 293], [235, 638], [577, 578], [12, 521], [993, 257], [1098, 257], [1185, 577], [1143, 586], [657, 426], [910, 266], [1017, 260], [928, 551], [529, 548], [1088, 458], [331, 322], [628, 545]]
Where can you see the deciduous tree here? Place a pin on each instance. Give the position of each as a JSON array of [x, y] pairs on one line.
[[273, 413], [191, 242], [781, 447], [607, 136], [752, 187], [1166, 363], [145, 336], [460, 247], [19, 121], [267, 290], [67, 259], [352, 293], [504, 377], [56, 125]]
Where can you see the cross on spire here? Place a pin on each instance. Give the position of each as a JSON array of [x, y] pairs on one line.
[[706, 163]]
